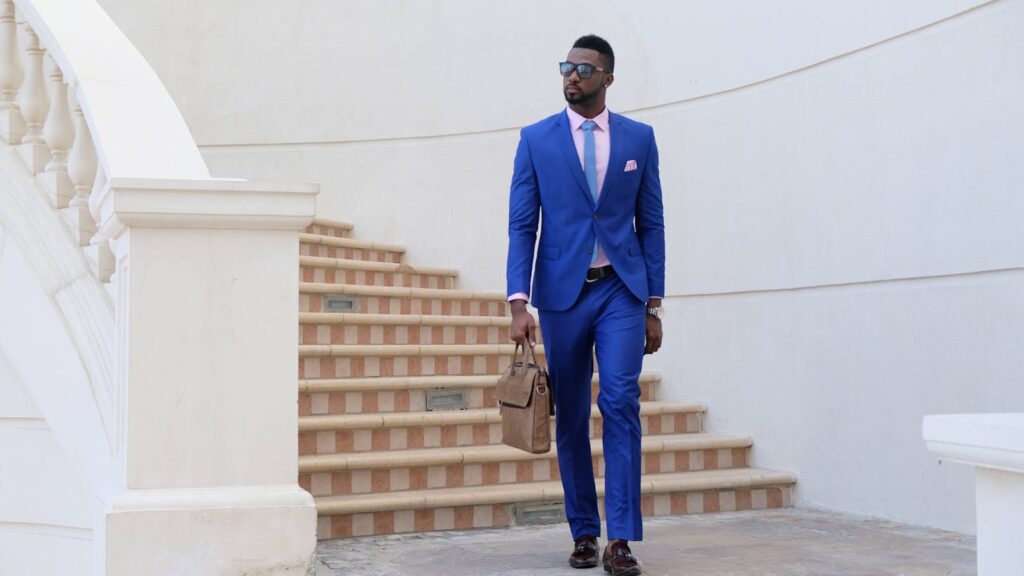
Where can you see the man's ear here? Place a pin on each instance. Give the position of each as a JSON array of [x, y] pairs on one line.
[[608, 79]]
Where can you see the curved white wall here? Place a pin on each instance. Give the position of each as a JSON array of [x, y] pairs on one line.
[[840, 185]]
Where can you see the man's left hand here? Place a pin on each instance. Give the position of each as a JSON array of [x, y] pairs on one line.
[[653, 335]]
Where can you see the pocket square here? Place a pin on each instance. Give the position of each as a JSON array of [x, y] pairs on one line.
[[630, 165]]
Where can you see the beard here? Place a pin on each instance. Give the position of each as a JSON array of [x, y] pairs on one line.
[[580, 97]]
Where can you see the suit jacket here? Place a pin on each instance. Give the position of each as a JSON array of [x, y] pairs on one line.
[[548, 185]]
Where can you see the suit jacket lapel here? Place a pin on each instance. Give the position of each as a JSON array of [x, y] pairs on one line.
[[568, 147], [617, 132]]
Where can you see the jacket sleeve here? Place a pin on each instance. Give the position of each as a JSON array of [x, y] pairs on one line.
[[523, 215], [650, 222]]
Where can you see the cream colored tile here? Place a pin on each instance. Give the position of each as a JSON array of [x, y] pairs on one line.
[[323, 527], [320, 483], [401, 365], [376, 334], [405, 521], [479, 364], [401, 334], [542, 469], [425, 333], [432, 437], [323, 334], [471, 335], [464, 434], [311, 367], [694, 503], [725, 458], [472, 475], [318, 403], [667, 460], [448, 334], [399, 439], [418, 401], [325, 442], [444, 519], [362, 440], [727, 500], [353, 402], [494, 434], [427, 365], [361, 483], [371, 366], [342, 367], [436, 477], [399, 479], [386, 402], [696, 460], [759, 499], [507, 472], [475, 398], [482, 517], [362, 524], [352, 335], [662, 504]]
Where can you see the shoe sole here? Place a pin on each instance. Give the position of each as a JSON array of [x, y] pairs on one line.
[[628, 572]]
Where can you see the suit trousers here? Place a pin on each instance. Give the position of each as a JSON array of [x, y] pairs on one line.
[[607, 319]]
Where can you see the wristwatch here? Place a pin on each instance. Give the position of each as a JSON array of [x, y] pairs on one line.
[[658, 312]]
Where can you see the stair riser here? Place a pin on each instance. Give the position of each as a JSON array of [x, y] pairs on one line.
[[326, 230], [411, 305], [341, 334], [406, 400], [369, 366], [366, 254], [500, 515], [372, 278], [348, 482], [450, 435]]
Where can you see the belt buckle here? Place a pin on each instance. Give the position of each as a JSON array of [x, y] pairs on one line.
[[588, 280]]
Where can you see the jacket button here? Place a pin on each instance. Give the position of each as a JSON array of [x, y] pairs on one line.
[[595, 216], [590, 250]]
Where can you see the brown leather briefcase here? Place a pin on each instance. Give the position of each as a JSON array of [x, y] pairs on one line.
[[526, 404]]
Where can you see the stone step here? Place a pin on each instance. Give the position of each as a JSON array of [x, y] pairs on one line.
[[397, 470], [493, 506], [328, 328], [345, 433], [359, 360], [328, 227], [409, 393], [402, 300], [348, 248], [362, 272]]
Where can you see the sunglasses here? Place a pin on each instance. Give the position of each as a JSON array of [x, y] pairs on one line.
[[584, 70]]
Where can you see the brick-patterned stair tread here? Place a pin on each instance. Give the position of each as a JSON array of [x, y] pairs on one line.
[[369, 266], [501, 453], [383, 350], [399, 292], [338, 242], [454, 417], [393, 383], [549, 491], [402, 319]]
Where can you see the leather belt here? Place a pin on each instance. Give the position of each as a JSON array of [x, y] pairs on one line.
[[595, 274]]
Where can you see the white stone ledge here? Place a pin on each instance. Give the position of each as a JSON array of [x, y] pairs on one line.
[[984, 440], [205, 203]]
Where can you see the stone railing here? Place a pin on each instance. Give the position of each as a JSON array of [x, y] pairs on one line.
[[188, 340], [46, 112]]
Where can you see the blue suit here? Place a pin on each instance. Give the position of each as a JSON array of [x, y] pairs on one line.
[[579, 318]]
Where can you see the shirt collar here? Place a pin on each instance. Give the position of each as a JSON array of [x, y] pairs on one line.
[[576, 120]]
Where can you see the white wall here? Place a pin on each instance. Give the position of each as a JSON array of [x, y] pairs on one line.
[[841, 186], [44, 515]]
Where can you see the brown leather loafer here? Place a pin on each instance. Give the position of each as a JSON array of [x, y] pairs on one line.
[[584, 553], [619, 561]]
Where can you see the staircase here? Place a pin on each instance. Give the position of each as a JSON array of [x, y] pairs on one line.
[[398, 426]]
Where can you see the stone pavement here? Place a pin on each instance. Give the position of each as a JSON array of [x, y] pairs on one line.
[[762, 543]]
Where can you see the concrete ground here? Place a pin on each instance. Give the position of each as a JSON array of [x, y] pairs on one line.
[[763, 543]]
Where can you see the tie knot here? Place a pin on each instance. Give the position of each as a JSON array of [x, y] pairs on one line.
[[589, 125]]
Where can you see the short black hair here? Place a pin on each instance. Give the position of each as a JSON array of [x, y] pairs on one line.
[[600, 45]]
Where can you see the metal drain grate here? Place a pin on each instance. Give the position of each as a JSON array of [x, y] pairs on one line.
[[337, 303], [444, 399], [537, 513]]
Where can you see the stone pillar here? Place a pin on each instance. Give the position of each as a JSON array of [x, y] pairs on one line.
[[206, 312], [994, 445]]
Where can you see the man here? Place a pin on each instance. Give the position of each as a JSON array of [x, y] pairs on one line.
[[591, 177]]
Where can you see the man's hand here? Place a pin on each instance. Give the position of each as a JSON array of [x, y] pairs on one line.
[[653, 329], [524, 328]]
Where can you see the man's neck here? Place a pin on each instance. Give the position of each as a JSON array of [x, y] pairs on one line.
[[589, 111]]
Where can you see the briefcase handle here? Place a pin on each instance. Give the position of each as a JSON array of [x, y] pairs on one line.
[[528, 354]]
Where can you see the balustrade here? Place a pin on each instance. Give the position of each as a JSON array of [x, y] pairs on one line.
[[12, 124], [34, 103], [59, 135]]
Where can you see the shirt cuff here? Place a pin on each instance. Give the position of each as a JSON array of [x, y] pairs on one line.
[[520, 296]]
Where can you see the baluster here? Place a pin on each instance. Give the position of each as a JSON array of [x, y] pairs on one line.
[[34, 105], [100, 250], [59, 133], [82, 171], [12, 124]]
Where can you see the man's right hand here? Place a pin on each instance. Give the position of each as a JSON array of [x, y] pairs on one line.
[[524, 328]]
